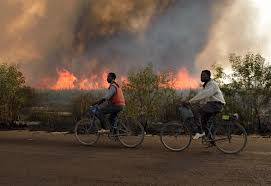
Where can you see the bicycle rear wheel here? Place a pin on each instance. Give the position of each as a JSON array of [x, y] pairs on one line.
[[175, 136], [230, 137], [86, 131], [130, 133]]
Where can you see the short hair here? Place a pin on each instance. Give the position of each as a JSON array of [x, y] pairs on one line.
[[112, 74], [208, 72]]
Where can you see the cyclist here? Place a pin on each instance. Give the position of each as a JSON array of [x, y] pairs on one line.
[[211, 101], [112, 103]]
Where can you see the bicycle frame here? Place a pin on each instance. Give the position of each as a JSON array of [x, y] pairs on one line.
[[211, 127], [227, 130], [94, 110]]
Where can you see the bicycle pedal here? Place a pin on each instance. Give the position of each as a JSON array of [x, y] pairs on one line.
[[103, 131], [209, 145], [113, 137]]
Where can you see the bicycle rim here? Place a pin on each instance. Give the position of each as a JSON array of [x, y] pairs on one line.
[[86, 131], [130, 133], [230, 138], [175, 137]]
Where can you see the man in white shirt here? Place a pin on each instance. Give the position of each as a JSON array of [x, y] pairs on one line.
[[211, 101]]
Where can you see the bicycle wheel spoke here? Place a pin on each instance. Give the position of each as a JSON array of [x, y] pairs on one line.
[[175, 137], [86, 132], [121, 130], [130, 133], [87, 128], [230, 138], [222, 139]]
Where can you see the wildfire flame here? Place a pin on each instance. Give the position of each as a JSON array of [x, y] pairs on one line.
[[184, 80], [94, 82], [67, 80]]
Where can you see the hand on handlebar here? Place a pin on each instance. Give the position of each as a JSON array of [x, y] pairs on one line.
[[99, 102], [185, 104]]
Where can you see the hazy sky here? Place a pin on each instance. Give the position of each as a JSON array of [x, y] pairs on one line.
[[88, 37]]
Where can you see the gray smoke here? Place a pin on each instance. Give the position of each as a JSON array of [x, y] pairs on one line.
[[172, 40], [86, 37], [37, 35], [236, 31]]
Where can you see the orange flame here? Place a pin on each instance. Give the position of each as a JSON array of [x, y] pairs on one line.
[[66, 80], [94, 82], [183, 80]]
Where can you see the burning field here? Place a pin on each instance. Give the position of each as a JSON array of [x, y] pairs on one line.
[[67, 80], [72, 44]]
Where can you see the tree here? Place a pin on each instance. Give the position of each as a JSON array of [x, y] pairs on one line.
[[14, 94], [248, 86], [149, 94]]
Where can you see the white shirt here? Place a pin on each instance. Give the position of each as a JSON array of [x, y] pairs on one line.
[[211, 92]]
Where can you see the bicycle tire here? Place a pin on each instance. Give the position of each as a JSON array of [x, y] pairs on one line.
[[227, 133], [175, 130], [80, 130], [130, 133]]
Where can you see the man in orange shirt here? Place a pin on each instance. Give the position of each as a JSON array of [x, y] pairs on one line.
[[115, 102]]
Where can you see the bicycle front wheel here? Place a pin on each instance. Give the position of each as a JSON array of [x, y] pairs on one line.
[[86, 131], [230, 137], [175, 136], [130, 133]]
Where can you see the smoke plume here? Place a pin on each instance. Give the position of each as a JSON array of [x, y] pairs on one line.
[[241, 28], [37, 35], [120, 35], [77, 41]]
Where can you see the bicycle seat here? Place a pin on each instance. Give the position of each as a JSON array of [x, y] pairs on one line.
[[215, 113]]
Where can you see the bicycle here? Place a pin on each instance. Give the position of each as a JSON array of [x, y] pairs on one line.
[[129, 133], [228, 136]]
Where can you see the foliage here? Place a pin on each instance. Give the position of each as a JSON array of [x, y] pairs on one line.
[[149, 94], [247, 90], [14, 95], [81, 103]]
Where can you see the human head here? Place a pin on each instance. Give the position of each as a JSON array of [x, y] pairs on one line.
[[205, 76], [111, 77]]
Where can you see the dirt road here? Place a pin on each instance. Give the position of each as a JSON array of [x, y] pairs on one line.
[[56, 159]]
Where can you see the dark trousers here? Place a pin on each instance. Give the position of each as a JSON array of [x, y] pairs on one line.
[[112, 110], [205, 112]]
